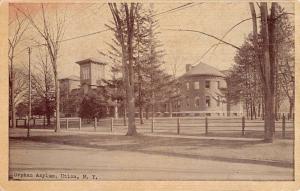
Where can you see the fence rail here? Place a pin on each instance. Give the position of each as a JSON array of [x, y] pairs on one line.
[[174, 125]]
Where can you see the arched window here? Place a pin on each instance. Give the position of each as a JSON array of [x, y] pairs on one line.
[[218, 101]]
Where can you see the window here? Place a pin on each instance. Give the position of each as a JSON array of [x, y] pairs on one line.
[[196, 85], [207, 101], [207, 84], [218, 84], [85, 73], [187, 102], [187, 85], [218, 101], [197, 102]]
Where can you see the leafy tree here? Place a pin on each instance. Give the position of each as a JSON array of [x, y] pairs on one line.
[[266, 57], [93, 105], [22, 109], [243, 81], [284, 58]]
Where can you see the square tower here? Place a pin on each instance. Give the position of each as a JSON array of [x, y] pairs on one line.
[[92, 72]]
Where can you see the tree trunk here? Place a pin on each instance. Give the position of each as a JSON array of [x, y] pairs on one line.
[[130, 73], [254, 111], [131, 112], [171, 109], [147, 112], [125, 113], [13, 106], [141, 114], [251, 109], [268, 57], [228, 107], [291, 111], [13, 115], [57, 106], [259, 110]]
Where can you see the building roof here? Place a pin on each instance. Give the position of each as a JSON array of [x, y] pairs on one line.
[[93, 60], [204, 69], [72, 77]]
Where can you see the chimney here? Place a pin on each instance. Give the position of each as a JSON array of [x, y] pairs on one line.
[[188, 67]]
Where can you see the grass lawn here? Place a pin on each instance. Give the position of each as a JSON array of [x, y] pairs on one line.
[[279, 153]]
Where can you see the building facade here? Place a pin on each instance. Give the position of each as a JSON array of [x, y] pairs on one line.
[[203, 93], [74, 88]]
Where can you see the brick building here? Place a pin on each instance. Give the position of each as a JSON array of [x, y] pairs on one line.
[[202, 93]]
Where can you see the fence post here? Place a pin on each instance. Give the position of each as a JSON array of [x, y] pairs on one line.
[[111, 124], [67, 121], [283, 126], [178, 126], [243, 125], [33, 122], [44, 122], [152, 125], [28, 128], [95, 123], [206, 125], [79, 123]]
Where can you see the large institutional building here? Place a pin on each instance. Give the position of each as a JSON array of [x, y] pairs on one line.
[[92, 72], [202, 90]]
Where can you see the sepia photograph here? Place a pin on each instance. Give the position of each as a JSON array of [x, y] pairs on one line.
[[153, 91]]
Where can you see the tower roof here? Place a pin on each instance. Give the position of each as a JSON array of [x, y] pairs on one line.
[[202, 69], [92, 60]]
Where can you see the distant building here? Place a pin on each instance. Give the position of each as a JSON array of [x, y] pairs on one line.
[[203, 93], [92, 72], [68, 84]]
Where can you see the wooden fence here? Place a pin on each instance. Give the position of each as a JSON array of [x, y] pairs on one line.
[[178, 125]]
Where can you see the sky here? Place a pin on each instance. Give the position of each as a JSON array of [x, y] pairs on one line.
[[181, 48]]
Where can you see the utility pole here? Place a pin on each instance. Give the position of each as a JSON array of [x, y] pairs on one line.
[[29, 102]]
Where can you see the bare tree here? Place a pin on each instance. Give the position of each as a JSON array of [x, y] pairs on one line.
[[43, 84], [266, 59], [20, 26], [124, 31], [20, 85], [52, 32]]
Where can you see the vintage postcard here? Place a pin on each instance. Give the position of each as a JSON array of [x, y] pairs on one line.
[[149, 95]]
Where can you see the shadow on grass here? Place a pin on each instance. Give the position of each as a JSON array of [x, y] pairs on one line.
[[143, 144]]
